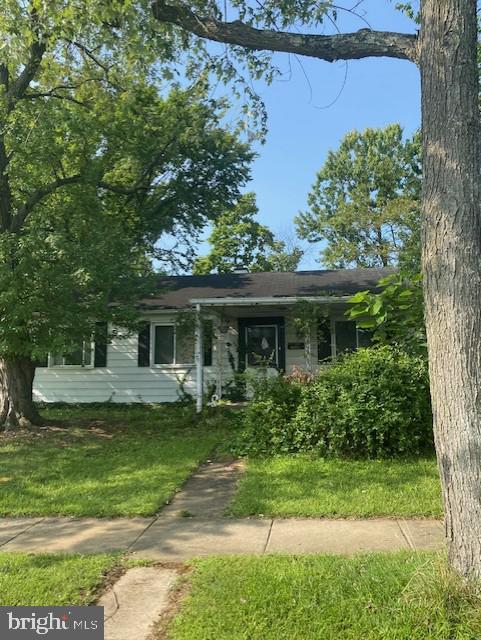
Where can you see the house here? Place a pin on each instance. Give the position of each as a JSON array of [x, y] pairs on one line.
[[199, 330]]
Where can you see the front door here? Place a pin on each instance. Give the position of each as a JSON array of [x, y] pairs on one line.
[[262, 343]]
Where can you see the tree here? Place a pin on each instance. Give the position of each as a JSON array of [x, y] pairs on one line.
[[445, 51], [365, 201], [395, 315], [96, 162], [238, 241]]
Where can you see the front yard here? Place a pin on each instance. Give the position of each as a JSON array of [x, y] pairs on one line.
[[104, 461], [400, 596], [296, 486], [128, 461], [45, 580]]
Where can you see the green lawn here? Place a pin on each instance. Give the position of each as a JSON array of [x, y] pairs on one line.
[[402, 596], [43, 580], [300, 486], [104, 461]]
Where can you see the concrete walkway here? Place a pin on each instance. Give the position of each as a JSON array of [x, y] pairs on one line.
[[134, 603], [193, 525]]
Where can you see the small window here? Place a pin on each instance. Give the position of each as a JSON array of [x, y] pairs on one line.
[[346, 336], [164, 344], [80, 357]]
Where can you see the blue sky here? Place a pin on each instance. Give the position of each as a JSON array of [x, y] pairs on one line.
[[308, 117], [301, 132]]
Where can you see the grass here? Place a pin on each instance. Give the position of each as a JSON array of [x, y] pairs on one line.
[[47, 580], [104, 461], [402, 596], [300, 486]]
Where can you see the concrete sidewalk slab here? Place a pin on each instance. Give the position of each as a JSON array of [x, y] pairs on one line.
[[423, 534], [12, 527], [302, 536], [134, 603], [182, 538], [207, 492], [86, 535]]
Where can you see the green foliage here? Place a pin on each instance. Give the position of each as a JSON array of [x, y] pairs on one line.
[[371, 403], [238, 241], [365, 201], [305, 315], [97, 162], [395, 315], [267, 417]]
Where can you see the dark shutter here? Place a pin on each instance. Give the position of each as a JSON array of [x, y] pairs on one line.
[[101, 341], [346, 336], [144, 345], [208, 340], [324, 349]]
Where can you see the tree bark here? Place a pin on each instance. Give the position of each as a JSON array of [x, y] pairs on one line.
[[343, 46], [17, 409], [452, 265]]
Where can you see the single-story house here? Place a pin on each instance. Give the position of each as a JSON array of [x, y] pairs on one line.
[[199, 330]]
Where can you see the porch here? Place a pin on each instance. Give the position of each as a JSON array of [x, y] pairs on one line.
[[280, 334]]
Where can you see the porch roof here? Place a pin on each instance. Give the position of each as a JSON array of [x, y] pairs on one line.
[[234, 289]]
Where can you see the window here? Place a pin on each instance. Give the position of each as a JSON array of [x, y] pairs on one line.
[[346, 336], [173, 345], [164, 344], [80, 357], [349, 337], [262, 345]]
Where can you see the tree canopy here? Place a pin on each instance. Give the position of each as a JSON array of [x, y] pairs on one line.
[[239, 241], [366, 199], [100, 155]]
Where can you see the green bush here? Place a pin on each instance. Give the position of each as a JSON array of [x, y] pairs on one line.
[[371, 403], [266, 419]]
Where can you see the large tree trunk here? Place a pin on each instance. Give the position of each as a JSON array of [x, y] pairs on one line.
[[16, 403], [452, 264]]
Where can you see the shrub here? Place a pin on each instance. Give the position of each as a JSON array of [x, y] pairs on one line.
[[267, 417], [371, 403]]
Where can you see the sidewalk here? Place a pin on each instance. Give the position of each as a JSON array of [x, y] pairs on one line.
[[193, 526]]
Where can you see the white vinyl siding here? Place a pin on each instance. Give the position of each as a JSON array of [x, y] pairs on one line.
[[122, 380]]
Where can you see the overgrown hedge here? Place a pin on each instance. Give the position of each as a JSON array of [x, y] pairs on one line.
[[371, 403]]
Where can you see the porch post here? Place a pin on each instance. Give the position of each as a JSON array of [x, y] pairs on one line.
[[219, 339], [199, 357]]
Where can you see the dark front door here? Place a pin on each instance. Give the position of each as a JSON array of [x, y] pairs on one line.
[[262, 343]]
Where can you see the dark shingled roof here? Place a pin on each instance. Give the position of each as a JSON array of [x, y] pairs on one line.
[[176, 291]]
